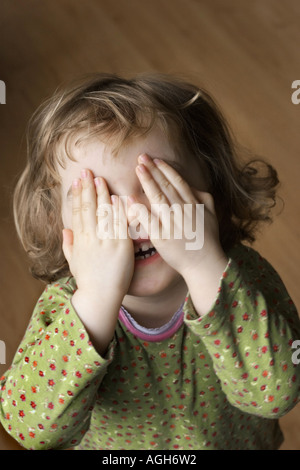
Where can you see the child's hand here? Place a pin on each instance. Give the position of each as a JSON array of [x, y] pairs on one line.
[[97, 263], [102, 268], [163, 185]]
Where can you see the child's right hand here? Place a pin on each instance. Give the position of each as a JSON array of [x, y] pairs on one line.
[[102, 268]]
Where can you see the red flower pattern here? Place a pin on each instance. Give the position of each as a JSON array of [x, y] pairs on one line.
[[207, 386]]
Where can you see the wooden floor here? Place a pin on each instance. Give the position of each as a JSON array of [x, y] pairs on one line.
[[245, 53]]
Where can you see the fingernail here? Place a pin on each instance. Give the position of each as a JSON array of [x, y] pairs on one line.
[[157, 161], [83, 173], [114, 199], [131, 199], [141, 168], [97, 181], [75, 183], [143, 158]]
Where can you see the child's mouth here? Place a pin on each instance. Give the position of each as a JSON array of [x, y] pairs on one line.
[[144, 250]]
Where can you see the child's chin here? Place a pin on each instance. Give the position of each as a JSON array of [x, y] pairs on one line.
[[155, 283]]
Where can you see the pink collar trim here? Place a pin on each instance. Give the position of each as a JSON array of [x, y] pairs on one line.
[[152, 334]]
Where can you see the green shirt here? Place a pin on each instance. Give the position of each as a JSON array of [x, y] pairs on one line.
[[218, 382]]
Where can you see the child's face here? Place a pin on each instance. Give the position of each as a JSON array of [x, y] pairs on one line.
[[119, 172]]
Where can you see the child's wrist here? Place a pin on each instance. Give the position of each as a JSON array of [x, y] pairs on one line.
[[99, 313], [209, 262], [97, 290], [96, 298], [203, 282]]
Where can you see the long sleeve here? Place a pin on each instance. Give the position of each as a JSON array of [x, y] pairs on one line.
[[249, 333], [48, 393]]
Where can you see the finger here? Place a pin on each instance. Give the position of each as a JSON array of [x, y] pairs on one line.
[[104, 210], [119, 218], [181, 186], [76, 206], [88, 202], [152, 189], [104, 206], [142, 223], [67, 245], [166, 185], [103, 196]]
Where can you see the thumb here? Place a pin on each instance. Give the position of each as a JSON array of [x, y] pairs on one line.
[[67, 245]]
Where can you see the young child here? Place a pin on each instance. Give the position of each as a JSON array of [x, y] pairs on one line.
[[138, 342]]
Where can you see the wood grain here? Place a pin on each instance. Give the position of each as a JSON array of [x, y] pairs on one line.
[[245, 53]]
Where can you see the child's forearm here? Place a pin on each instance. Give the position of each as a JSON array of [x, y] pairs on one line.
[[54, 377], [99, 314], [203, 282], [249, 332], [102, 266]]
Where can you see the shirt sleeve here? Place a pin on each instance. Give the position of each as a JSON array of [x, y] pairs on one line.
[[249, 334], [47, 395]]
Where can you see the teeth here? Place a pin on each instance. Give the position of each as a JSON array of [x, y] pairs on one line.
[[144, 250], [143, 246], [146, 255]]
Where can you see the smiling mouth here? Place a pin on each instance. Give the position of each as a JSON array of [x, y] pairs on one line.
[[144, 250]]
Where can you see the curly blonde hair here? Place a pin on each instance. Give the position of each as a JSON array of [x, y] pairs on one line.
[[101, 104]]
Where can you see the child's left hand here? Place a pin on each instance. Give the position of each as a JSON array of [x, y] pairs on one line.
[[163, 185]]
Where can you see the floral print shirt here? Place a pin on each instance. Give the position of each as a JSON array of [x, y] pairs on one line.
[[216, 382]]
